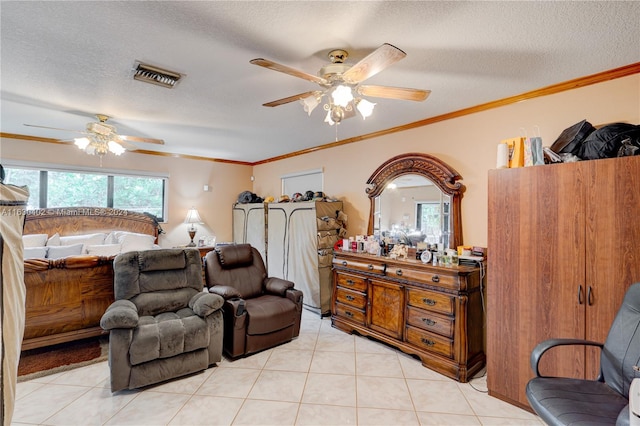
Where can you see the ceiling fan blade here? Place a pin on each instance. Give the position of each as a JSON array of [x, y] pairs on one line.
[[394, 92], [291, 98], [128, 146], [373, 63], [288, 70], [143, 140], [55, 128]]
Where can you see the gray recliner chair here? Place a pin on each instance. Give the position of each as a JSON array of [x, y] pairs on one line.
[[162, 324], [565, 401]]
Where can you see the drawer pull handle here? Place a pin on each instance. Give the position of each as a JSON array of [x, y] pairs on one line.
[[435, 279], [344, 263], [350, 282], [370, 267], [428, 321], [429, 302], [349, 297], [399, 272], [349, 314], [427, 342]]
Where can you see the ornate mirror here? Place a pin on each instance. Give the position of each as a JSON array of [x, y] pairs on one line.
[[416, 197]]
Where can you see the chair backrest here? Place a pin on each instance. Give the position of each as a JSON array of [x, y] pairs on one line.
[[157, 281], [621, 352], [239, 266]]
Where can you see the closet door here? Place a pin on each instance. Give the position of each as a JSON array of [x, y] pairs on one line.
[[613, 244], [536, 273]]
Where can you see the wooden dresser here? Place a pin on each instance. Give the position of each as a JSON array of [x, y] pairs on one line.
[[432, 312]]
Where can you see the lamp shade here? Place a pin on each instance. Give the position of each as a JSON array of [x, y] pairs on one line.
[[193, 216]]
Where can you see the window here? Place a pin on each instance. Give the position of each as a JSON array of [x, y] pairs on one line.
[[139, 194], [428, 218], [432, 219], [25, 177], [70, 189], [310, 180], [50, 188]]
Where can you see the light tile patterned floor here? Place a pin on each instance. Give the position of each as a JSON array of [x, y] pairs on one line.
[[324, 377]]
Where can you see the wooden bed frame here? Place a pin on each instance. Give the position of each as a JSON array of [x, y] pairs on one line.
[[67, 297]]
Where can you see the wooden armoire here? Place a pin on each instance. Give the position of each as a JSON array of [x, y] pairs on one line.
[[563, 247]]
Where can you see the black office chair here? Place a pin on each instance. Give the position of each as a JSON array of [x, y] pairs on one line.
[[604, 401]]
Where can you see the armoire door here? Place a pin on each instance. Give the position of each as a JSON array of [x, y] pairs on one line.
[[613, 244], [536, 273]]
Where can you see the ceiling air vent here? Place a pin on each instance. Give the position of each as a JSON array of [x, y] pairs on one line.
[[155, 75]]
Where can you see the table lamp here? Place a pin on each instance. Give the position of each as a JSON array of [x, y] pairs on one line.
[[192, 218]]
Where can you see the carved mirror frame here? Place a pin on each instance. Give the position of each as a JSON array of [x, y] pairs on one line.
[[432, 168]]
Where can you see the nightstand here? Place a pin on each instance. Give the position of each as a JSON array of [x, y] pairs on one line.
[[203, 250]]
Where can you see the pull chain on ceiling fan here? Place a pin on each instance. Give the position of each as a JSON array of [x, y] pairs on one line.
[[341, 84]]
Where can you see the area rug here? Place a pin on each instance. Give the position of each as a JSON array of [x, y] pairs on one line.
[[65, 356]]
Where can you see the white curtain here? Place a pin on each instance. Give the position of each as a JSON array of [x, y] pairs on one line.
[[249, 226], [292, 249], [13, 201]]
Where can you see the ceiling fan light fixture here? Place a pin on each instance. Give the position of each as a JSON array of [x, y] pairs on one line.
[[100, 145], [342, 95], [115, 148], [155, 75], [82, 143], [328, 119], [365, 108], [310, 103]]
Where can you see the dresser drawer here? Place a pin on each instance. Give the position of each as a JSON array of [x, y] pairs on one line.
[[360, 265], [349, 312], [430, 341], [351, 298], [432, 301], [351, 282], [448, 281], [430, 321]]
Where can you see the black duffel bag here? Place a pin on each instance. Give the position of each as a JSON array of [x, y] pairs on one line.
[[612, 140], [571, 138]]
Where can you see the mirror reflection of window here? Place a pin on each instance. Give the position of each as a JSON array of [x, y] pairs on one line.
[[412, 209]]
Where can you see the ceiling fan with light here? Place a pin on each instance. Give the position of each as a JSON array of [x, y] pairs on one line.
[[101, 138], [341, 84]]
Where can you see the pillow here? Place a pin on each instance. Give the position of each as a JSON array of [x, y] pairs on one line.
[[34, 240], [117, 235], [54, 240], [35, 252], [86, 239], [111, 238], [136, 242], [58, 252], [103, 249]]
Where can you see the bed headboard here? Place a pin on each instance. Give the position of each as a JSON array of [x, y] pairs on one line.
[[82, 220]]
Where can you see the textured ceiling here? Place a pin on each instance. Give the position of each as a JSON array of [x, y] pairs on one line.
[[63, 61]]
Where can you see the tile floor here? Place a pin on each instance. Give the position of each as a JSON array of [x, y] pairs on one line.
[[324, 377]]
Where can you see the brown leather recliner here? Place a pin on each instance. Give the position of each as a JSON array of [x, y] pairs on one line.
[[259, 311]]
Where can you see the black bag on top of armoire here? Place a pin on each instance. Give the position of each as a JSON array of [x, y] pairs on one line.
[[612, 140]]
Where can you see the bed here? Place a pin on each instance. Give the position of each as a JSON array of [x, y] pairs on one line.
[[66, 296]]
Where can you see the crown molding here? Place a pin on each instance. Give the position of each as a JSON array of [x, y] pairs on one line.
[[545, 91]]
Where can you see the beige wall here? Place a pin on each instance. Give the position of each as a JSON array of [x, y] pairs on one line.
[[186, 181], [468, 144]]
